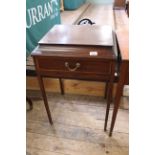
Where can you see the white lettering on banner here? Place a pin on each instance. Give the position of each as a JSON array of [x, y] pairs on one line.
[[46, 13], [30, 20], [40, 13], [36, 15], [50, 7]]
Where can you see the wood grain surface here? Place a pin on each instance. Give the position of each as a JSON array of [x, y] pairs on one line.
[[78, 128]]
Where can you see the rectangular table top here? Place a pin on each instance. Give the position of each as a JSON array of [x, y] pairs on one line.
[[79, 35]]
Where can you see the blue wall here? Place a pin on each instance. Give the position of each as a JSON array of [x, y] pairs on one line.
[[101, 1]]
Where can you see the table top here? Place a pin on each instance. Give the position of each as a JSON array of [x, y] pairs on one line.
[[79, 35]]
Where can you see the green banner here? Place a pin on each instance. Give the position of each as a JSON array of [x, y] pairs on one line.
[[41, 16], [73, 4]]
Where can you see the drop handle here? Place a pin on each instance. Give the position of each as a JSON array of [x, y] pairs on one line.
[[77, 65]]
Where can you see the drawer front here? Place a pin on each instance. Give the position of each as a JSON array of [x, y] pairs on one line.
[[73, 68]]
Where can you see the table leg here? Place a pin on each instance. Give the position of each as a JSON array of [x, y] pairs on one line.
[[105, 90], [61, 86], [109, 96], [119, 91], [42, 88]]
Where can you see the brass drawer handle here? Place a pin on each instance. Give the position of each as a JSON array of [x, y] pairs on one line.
[[77, 65]]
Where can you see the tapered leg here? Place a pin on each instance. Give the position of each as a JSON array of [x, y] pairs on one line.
[[123, 73], [116, 106], [109, 96], [42, 88], [61, 86], [106, 90]]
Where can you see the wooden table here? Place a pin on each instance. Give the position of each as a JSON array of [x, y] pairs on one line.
[[123, 45], [77, 52], [119, 4]]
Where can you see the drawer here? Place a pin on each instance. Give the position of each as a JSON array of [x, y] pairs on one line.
[[79, 68], [74, 65]]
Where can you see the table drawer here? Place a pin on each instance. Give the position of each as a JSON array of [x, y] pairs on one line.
[[74, 65]]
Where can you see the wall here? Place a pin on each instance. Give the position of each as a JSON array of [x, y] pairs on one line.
[[101, 1]]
